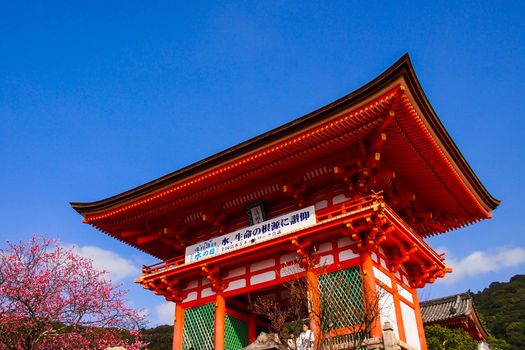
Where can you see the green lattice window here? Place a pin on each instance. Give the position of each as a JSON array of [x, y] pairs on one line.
[[235, 333], [199, 327], [341, 297]]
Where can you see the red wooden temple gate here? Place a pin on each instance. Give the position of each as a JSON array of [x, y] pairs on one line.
[[348, 191]]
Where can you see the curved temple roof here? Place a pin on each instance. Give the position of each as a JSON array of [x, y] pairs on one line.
[[419, 137], [454, 310]]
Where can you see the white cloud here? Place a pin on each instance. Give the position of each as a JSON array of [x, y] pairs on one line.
[[482, 262], [117, 267], [164, 313]]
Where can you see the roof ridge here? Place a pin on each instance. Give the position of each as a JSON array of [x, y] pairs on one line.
[[449, 297]]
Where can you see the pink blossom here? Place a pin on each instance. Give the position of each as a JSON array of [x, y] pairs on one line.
[[51, 298]]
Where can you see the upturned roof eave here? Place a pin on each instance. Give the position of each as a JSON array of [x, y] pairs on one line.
[[470, 314], [486, 199], [401, 68]]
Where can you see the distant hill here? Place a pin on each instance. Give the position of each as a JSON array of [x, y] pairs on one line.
[[502, 307], [159, 338]]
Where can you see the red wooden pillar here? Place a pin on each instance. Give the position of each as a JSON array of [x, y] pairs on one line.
[[220, 318], [419, 321], [369, 291], [314, 302], [252, 328], [178, 327]]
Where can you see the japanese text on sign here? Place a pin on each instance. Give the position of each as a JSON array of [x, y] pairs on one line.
[[254, 234]]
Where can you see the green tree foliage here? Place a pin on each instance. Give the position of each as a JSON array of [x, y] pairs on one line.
[[502, 307], [159, 338], [497, 344], [442, 338]]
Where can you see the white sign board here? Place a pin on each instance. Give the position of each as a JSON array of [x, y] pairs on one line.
[[254, 234]]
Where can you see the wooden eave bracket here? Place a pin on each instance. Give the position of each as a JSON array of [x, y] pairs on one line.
[[297, 190], [427, 274], [404, 255], [379, 137], [422, 268], [358, 175], [213, 275], [217, 219], [170, 288], [174, 236], [368, 233], [303, 249]]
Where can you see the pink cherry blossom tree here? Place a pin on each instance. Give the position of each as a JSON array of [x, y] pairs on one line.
[[52, 298]]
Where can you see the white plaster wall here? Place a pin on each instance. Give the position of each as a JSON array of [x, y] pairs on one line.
[[192, 284], [288, 257], [347, 255], [325, 260], [387, 311], [236, 285], [340, 198], [239, 271], [382, 277], [345, 241], [290, 270], [191, 296], [410, 324], [383, 263], [321, 204], [405, 294], [206, 292], [325, 247], [263, 277], [262, 265]]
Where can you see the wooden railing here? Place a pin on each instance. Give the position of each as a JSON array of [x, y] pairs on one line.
[[348, 206], [161, 266]]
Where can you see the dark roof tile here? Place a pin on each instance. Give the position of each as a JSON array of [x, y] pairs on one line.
[[446, 308]]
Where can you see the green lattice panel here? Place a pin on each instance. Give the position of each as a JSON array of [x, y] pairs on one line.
[[341, 298], [199, 327], [236, 333]]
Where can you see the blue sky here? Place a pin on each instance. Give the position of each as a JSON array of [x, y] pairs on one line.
[[99, 97]]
